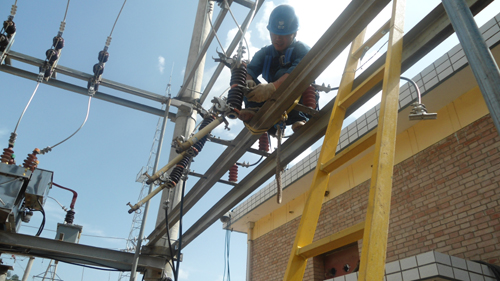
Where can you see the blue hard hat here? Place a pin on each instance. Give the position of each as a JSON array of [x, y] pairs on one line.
[[283, 20]]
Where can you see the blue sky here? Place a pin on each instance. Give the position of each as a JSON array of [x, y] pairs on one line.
[[102, 160]]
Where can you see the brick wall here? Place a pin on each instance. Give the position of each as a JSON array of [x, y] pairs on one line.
[[445, 198]]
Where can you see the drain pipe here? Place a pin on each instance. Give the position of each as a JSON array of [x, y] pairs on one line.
[[249, 249]]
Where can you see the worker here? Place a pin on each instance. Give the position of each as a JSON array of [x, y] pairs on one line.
[[275, 63]]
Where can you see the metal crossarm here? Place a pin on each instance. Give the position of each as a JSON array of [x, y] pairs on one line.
[[374, 229]]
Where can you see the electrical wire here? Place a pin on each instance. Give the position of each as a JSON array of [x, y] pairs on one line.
[[49, 148], [170, 262], [26, 107], [215, 33], [117, 18], [372, 56], [66, 12], [250, 165], [181, 212], [42, 225], [419, 96], [5, 182], [75, 195], [87, 235], [242, 33], [64, 208]]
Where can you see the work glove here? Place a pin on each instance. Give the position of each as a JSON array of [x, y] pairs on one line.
[[261, 92], [251, 83]]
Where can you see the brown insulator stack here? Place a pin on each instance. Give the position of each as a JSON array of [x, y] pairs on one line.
[[309, 97], [8, 156], [264, 142], [233, 173], [31, 162]]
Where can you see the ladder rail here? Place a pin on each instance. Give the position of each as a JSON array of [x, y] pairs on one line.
[[374, 230], [307, 227], [374, 249]]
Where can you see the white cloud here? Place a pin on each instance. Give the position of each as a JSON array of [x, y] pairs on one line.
[[262, 24], [161, 64], [183, 274]]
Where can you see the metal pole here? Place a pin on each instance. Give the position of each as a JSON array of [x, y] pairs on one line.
[[133, 272], [185, 119], [28, 268], [479, 56], [249, 249]]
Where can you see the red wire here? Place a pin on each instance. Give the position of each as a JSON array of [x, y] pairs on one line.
[[72, 206]]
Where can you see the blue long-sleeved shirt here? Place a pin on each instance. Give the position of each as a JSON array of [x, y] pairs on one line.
[[273, 64]]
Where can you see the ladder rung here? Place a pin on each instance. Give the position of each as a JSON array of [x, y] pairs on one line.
[[350, 152], [372, 40], [368, 84], [332, 242]]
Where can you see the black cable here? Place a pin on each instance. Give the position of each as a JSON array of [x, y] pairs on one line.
[[170, 262], [247, 166], [180, 230], [42, 225]]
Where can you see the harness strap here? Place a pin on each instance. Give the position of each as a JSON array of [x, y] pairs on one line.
[[267, 67], [288, 55]]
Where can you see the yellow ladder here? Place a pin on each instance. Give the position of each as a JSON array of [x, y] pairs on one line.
[[374, 230]]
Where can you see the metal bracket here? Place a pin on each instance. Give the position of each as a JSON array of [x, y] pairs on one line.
[[419, 112]]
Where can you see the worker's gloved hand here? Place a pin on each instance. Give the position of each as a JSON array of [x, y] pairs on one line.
[[261, 92], [251, 83]]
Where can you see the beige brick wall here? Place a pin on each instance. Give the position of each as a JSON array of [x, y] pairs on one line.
[[445, 198]]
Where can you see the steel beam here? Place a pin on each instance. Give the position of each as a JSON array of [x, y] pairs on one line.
[[246, 3], [433, 29], [481, 60], [84, 91], [75, 253], [85, 77], [419, 41]]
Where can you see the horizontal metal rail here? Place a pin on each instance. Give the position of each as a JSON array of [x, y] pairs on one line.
[[84, 91], [75, 253], [85, 76]]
